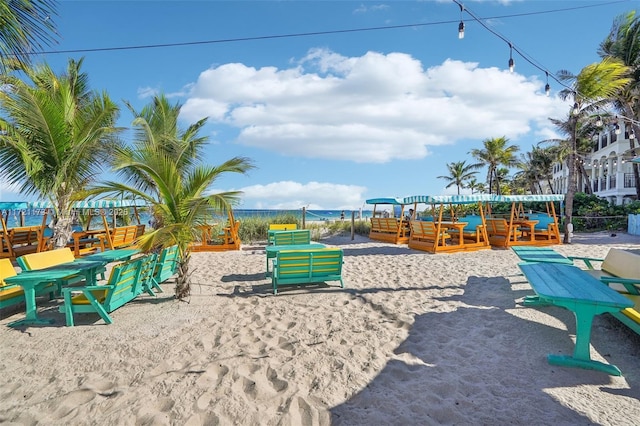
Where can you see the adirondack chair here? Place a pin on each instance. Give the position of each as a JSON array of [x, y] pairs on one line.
[[166, 265], [122, 287], [147, 270]]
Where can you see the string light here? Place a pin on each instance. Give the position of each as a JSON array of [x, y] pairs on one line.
[[599, 121], [547, 88], [617, 130], [576, 109], [632, 134], [461, 24], [511, 62]]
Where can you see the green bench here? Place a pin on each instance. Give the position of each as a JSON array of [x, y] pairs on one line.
[[292, 237], [299, 267], [572, 288]]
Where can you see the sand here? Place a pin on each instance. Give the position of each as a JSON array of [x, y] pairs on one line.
[[413, 339]]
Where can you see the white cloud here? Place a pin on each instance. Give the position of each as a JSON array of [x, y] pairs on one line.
[[373, 108], [289, 195]]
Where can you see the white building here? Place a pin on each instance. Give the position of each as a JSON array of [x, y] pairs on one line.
[[610, 172]]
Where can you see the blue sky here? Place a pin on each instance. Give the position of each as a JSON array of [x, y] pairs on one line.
[[333, 119]]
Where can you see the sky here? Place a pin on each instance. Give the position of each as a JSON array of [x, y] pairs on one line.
[[337, 102]]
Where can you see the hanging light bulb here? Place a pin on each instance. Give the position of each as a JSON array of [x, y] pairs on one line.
[[547, 88], [511, 62], [632, 134], [598, 121], [617, 130], [576, 109], [461, 30]]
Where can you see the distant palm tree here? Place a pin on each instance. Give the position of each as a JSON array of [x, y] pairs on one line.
[[475, 186], [164, 169], [54, 136], [25, 26], [623, 44], [459, 173], [496, 153]]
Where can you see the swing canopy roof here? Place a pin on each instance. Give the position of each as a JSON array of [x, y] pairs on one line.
[[467, 199], [94, 204]]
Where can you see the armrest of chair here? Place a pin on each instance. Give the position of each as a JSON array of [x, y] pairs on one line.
[[587, 260], [632, 285]]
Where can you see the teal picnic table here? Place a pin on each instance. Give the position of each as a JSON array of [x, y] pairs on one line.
[[574, 289], [109, 256], [540, 255], [272, 251], [30, 280]]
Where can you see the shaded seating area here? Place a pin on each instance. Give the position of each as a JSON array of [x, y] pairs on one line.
[[19, 240], [214, 237], [450, 233], [521, 228], [389, 226]]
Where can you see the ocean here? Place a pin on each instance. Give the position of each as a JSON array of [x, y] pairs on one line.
[[34, 217]]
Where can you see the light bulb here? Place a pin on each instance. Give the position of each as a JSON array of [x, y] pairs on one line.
[[547, 89], [576, 109], [617, 129], [461, 30], [632, 134], [511, 64], [598, 121]]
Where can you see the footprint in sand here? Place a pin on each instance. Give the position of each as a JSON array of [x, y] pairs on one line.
[[62, 407]]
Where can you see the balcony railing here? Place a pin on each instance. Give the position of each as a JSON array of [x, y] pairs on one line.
[[612, 182], [603, 183], [629, 180]]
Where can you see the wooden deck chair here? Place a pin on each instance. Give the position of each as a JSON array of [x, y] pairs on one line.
[[122, 287], [21, 240]]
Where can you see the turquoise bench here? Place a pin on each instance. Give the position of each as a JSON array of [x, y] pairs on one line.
[[298, 267], [534, 254], [272, 251], [574, 289], [13, 294], [298, 236]]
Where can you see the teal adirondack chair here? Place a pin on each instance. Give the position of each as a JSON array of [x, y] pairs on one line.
[[123, 286], [147, 283], [166, 265]]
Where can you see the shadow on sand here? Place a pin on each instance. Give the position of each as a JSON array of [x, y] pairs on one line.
[[454, 364]]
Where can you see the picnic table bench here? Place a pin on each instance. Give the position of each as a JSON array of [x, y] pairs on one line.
[[298, 267], [574, 289]]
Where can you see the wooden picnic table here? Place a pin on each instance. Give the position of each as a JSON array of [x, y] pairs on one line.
[[574, 289]]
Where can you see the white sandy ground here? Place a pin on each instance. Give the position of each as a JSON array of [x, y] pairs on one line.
[[413, 339]]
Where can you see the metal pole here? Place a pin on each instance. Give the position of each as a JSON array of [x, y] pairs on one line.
[[353, 225], [304, 213]]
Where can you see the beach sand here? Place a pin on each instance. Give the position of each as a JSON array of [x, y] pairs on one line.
[[413, 339]]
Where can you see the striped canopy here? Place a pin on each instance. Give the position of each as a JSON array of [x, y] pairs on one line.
[[527, 198], [636, 160], [448, 199], [389, 200], [13, 205], [95, 204]]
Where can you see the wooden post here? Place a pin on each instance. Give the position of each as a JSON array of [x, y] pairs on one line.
[[304, 213], [353, 225]]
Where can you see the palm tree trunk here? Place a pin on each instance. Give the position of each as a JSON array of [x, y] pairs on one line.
[[572, 183], [62, 231], [183, 279]]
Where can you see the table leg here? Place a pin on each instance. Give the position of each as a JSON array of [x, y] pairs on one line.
[[31, 316], [582, 352]]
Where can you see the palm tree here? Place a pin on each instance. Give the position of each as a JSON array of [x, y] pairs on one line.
[[55, 135], [164, 169], [594, 84], [496, 153], [459, 173], [475, 186], [623, 43], [25, 26]]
